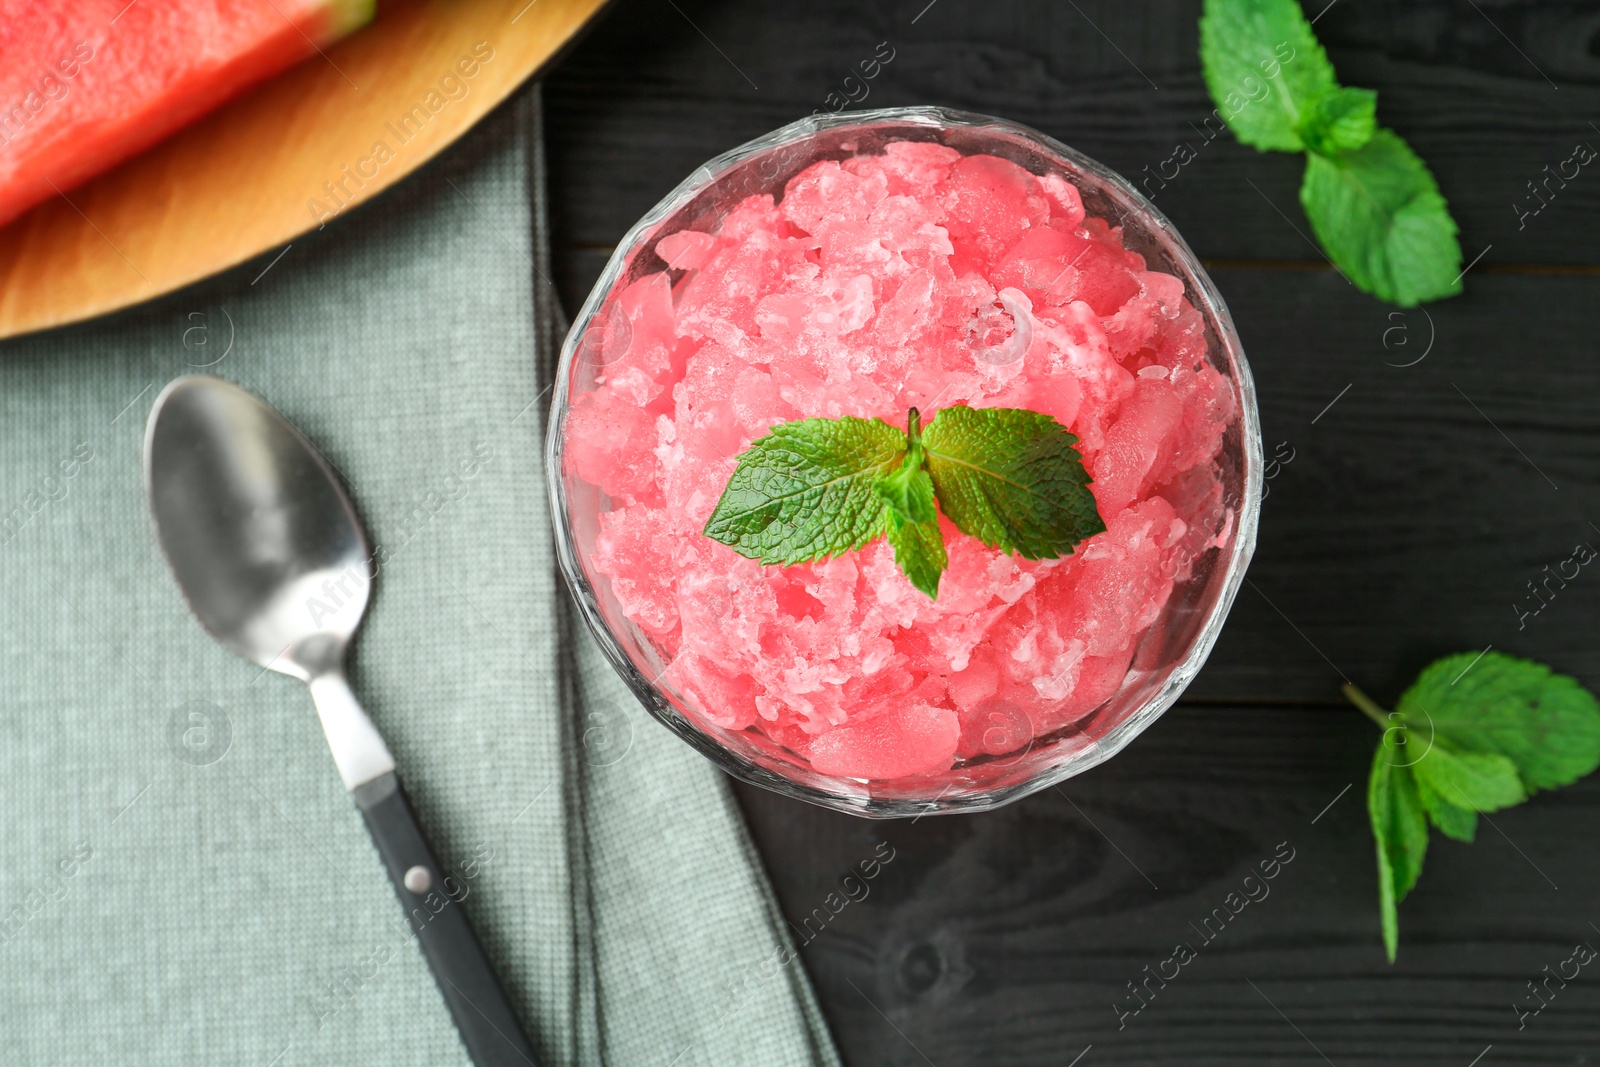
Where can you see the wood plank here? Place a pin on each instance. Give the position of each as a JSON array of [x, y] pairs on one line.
[[648, 98], [1419, 506], [1005, 938]]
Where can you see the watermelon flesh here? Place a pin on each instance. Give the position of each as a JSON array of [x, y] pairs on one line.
[[87, 83]]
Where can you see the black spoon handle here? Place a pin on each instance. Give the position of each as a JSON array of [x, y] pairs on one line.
[[488, 1026]]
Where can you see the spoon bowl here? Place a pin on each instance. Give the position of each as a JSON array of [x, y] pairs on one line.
[[264, 543]]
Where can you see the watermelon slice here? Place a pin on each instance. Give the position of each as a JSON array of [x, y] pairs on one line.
[[87, 83]]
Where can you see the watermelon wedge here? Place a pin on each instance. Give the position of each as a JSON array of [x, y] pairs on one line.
[[84, 84]]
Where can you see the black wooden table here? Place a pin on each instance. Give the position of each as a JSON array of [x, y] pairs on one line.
[[1441, 459]]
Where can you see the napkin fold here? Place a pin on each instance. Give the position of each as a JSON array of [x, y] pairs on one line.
[[182, 879]]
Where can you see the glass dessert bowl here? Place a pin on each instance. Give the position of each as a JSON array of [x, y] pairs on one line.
[[861, 265]]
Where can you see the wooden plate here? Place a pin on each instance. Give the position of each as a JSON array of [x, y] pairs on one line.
[[247, 178]]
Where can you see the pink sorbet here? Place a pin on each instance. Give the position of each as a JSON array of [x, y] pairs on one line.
[[918, 277]]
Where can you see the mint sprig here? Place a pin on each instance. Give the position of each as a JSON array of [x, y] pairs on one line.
[[816, 488], [1373, 204], [1474, 733]]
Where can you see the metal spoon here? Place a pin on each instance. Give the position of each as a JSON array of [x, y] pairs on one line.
[[263, 540]]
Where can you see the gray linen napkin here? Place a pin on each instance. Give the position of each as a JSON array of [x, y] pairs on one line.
[[182, 879]]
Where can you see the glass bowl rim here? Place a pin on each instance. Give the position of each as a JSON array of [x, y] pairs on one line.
[[1179, 675]]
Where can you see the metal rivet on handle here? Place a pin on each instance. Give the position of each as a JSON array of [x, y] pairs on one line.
[[418, 880]]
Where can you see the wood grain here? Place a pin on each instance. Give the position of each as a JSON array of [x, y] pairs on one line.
[[1419, 505], [652, 100], [1004, 939], [241, 181]]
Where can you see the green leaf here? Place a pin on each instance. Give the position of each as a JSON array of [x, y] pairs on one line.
[[806, 491], [1340, 121], [1491, 729], [1399, 830], [1545, 723], [1382, 221], [908, 490], [913, 523], [1476, 781], [918, 549], [1264, 68], [1452, 821], [1012, 479]]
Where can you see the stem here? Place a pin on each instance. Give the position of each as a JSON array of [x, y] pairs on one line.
[[1368, 707], [914, 452]]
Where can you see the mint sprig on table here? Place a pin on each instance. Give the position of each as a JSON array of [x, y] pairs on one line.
[[1373, 203], [1474, 733], [816, 488]]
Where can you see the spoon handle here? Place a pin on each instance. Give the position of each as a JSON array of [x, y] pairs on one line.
[[485, 1019]]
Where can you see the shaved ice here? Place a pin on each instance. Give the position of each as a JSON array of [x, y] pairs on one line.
[[918, 277]]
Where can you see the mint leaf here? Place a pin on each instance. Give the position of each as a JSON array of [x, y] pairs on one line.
[[805, 491], [1012, 479], [1545, 723], [1478, 781], [1264, 68], [1374, 205], [1459, 823], [918, 549], [1399, 830], [908, 490], [1340, 121], [913, 523], [1383, 222]]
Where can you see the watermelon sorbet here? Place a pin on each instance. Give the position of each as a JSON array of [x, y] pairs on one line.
[[918, 277]]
